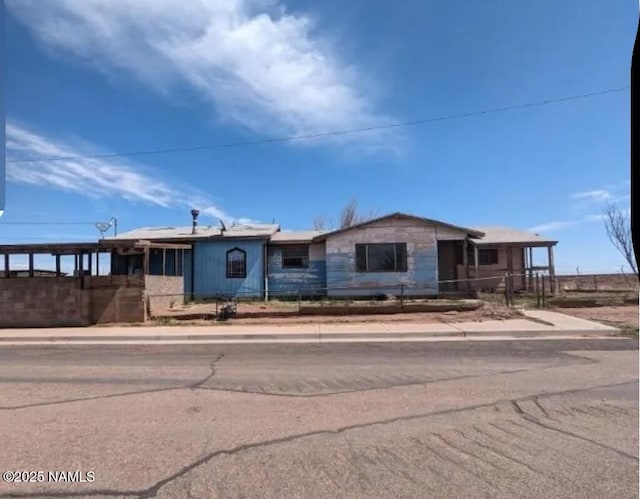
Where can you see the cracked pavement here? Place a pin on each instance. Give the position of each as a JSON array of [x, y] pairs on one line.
[[475, 419]]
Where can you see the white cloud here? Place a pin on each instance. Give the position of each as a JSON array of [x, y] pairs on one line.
[[553, 226], [597, 195], [93, 177], [254, 62], [565, 224]]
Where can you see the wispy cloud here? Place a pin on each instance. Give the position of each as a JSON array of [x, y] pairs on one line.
[[565, 224], [94, 177], [597, 195], [255, 63]]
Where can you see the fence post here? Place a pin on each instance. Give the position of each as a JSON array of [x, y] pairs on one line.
[[506, 288]]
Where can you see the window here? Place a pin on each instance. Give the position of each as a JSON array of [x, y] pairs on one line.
[[236, 263], [485, 256], [295, 257], [387, 257]]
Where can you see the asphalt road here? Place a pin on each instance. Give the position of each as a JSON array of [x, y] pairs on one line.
[[464, 419]]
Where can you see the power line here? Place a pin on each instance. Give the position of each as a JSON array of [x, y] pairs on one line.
[[330, 134], [47, 223]]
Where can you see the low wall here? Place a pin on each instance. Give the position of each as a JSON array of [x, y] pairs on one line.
[[163, 292], [42, 302], [597, 282], [70, 301]]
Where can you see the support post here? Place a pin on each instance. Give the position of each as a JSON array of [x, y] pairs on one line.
[[552, 271], [164, 261], [465, 263], [145, 265], [57, 265], [7, 271], [531, 261], [175, 262], [475, 260], [90, 258], [30, 264], [98, 263], [538, 289]]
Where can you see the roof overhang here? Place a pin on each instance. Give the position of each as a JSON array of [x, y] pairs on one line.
[[398, 215], [77, 248]]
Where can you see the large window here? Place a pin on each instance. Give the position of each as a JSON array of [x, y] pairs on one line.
[[386, 257], [486, 256], [295, 257], [236, 263]]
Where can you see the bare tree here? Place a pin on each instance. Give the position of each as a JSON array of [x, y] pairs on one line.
[[319, 223], [349, 214], [618, 227]]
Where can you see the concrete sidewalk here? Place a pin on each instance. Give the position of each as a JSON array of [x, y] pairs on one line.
[[544, 324]]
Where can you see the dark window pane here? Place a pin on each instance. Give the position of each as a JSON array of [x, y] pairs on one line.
[[361, 257], [236, 263], [381, 257], [295, 256], [401, 257]]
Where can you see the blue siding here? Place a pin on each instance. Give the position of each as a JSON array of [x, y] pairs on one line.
[[211, 269], [309, 281], [421, 277]]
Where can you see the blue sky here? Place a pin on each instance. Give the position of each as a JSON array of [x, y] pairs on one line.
[[107, 76]]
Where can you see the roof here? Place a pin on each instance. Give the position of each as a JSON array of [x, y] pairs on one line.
[[202, 232], [470, 232], [494, 235], [295, 236], [77, 248]]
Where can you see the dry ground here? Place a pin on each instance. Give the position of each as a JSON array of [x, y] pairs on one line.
[[490, 311], [624, 317]]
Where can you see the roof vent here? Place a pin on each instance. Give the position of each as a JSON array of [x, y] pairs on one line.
[[194, 215]]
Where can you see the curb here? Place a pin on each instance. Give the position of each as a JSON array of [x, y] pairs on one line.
[[307, 337]]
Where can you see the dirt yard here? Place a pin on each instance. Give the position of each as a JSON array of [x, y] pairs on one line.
[[288, 311], [619, 316]]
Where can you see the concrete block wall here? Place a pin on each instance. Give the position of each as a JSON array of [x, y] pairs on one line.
[[163, 292], [42, 302], [70, 301]]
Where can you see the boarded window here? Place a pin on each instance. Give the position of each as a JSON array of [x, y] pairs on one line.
[[236, 263], [295, 257], [385, 257]]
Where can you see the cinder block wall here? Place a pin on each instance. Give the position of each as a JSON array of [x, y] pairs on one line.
[[69, 301], [42, 302], [163, 292]]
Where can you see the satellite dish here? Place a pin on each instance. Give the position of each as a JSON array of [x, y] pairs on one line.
[[105, 226]]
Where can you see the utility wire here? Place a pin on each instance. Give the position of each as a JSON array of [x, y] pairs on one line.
[[330, 134]]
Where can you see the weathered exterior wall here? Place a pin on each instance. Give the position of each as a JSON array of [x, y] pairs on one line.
[[114, 299], [163, 292], [210, 262], [497, 270], [421, 277], [70, 301], [309, 281]]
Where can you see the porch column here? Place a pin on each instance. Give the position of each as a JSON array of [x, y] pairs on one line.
[[175, 262], [530, 267], [145, 266], [30, 264], [90, 257], [475, 259], [164, 261], [552, 270], [57, 265], [6, 265], [465, 263], [98, 263]]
